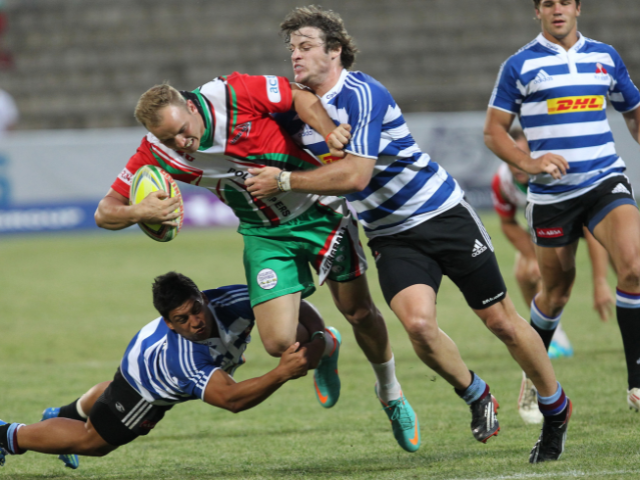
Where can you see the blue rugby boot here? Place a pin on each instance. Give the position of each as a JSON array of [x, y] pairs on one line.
[[70, 460], [404, 422], [325, 377]]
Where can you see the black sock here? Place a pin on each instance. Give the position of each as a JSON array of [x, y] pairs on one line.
[[629, 323], [71, 411], [545, 335], [4, 442]]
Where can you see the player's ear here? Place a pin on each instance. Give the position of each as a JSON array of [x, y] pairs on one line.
[[191, 106], [336, 52]]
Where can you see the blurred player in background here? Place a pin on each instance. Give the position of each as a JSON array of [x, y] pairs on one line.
[[418, 223], [509, 192], [558, 85], [8, 112], [210, 137], [189, 353]]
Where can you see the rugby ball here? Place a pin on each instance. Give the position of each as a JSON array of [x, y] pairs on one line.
[[148, 179]]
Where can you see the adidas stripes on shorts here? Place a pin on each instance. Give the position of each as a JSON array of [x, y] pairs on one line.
[[454, 243], [120, 414], [560, 224]]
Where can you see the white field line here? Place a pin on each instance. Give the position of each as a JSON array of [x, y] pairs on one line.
[[569, 474]]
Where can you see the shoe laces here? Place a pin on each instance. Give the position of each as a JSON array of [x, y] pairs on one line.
[[400, 414]]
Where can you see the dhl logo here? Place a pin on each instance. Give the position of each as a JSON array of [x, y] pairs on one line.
[[328, 158], [575, 104]]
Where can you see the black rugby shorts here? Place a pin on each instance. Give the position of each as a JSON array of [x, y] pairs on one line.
[[456, 244]]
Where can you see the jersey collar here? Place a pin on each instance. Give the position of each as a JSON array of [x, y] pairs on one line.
[[337, 87], [207, 117], [557, 48]]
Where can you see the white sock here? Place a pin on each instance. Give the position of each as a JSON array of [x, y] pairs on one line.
[[388, 385], [328, 346]]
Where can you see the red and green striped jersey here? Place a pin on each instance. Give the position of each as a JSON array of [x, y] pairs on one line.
[[240, 134]]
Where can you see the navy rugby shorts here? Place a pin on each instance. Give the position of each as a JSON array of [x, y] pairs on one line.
[[560, 224]]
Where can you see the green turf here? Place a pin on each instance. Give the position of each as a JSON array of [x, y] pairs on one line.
[[70, 304]]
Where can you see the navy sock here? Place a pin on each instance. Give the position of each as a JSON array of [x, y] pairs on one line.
[[545, 326], [9, 438], [555, 406], [628, 313], [474, 392]]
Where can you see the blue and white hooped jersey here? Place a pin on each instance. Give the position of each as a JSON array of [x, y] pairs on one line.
[[561, 98], [165, 368], [406, 187]]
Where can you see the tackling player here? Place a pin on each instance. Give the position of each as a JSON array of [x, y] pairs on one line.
[[559, 85], [509, 192], [211, 137], [418, 223], [189, 353]]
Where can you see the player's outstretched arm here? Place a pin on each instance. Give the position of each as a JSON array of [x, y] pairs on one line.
[[498, 140], [311, 111], [602, 297], [223, 391], [351, 174], [115, 213], [632, 119]]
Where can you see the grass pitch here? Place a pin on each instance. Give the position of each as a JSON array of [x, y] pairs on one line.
[[70, 304]]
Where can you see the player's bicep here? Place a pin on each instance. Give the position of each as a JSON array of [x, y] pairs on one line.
[[217, 389]]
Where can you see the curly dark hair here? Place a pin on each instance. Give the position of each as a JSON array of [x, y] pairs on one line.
[[536, 4], [171, 290], [331, 26]]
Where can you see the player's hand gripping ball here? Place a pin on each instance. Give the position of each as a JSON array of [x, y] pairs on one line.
[[150, 178]]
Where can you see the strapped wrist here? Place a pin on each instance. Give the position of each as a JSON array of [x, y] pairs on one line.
[[284, 181]]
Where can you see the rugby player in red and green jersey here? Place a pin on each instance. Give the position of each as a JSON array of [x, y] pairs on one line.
[[210, 137]]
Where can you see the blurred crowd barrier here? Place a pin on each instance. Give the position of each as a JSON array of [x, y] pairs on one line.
[[52, 180]]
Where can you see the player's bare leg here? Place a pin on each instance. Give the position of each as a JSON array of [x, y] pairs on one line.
[[279, 325], [63, 436], [354, 301], [619, 233], [523, 343], [415, 306], [528, 277]]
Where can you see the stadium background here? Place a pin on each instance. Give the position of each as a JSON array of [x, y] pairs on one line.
[[69, 303], [81, 65]]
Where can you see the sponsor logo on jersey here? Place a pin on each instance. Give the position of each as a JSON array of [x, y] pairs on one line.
[[273, 89], [242, 130], [542, 77], [550, 232], [620, 188], [331, 95], [478, 248], [600, 69], [575, 104], [125, 176], [267, 279], [328, 158]]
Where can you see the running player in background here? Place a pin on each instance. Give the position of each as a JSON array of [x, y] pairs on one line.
[[558, 85], [509, 192], [189, 353], [211, 137], [418, 223]]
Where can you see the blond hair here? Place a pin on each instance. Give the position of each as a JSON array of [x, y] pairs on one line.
[[155, 99]]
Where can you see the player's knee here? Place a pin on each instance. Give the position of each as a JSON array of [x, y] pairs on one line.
[[629, 274], [422, 329], [503, 328], [276, 346], [362, 316]]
